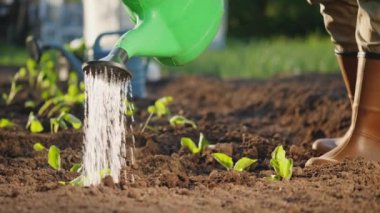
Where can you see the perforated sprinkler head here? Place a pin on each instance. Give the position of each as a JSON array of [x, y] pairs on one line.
[[111, 65]]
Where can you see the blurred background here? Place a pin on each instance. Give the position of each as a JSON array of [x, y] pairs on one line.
[[259, 38]]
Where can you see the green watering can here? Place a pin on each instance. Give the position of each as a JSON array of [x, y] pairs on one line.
[[173, 31]]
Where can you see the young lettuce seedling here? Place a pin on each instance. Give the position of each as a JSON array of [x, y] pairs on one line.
[[77, 167], [79, 181], [33, 124], [130, 108], [62, 119], [30, 104], [54, 156], [160, 108], [189, 143], [281, 165], [5, 123], [8, 98], [227, 162], [179, 120]]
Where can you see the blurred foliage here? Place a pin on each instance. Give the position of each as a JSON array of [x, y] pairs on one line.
[[263, 58], [12, 55], [259, 18]]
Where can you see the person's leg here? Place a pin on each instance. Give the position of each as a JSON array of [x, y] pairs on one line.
[[340, 20], [365, 138]]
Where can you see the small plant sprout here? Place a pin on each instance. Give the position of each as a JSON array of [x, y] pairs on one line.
[[78, 181], [54, 156], [281, 165], [8, 98], [130, 108], [20, 74], [30, 104], [77, 167], [104, 172], [32, 72], [179, 120], [62, 120], [33, 124], [227, 162], [194, 149], [160, 108], [5, 123], [38, 147]]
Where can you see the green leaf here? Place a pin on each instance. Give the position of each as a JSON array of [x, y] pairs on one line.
[[189, 143], [54, 125], [273, 178], [63, 183], [244, 163], [33, 124], [36, 126], [166, 100], [281, 165], [179, 120], [76, 167], [279, 153], [4, 123], [78, 181], [104, 172], [21, 73], [161, 109], [38, 147], [30, 104], [203, 142], [54, 157], [74, 121], [224, 160], [46, 105], [130, 108], [152, 109]]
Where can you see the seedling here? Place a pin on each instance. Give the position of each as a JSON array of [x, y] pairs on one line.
[[32, 72], [77, 167], [8, 98], [79, 181], [20, 74], [281, 165], [62, 120], [227, 162], [160, 108], [5, 123], [61, 103], [30, 104], [189, 143], [54, 156], [130, 108], [33, 124], [179, 120]]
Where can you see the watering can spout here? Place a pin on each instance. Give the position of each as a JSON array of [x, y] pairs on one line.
[[172, 31]]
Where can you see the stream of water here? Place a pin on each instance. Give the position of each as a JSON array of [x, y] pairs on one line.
[[105, 127]]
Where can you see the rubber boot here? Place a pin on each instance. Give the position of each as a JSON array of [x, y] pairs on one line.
[[348, 64], [364, 140]]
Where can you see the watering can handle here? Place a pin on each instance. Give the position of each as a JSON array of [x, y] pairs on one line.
[[97, 47]]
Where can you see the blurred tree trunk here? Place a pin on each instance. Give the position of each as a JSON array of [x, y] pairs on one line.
[[18, 27]]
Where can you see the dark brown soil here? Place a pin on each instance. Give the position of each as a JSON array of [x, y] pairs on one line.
[[245, 118]]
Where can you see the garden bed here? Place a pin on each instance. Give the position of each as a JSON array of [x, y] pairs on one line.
[[245, 117]]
